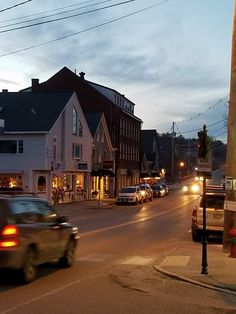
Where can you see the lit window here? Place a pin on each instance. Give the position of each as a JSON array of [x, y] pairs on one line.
[[74, 121]]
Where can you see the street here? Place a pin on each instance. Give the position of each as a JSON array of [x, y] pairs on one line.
[[113, 271]]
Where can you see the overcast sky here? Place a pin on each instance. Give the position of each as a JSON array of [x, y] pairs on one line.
[[170, 57]]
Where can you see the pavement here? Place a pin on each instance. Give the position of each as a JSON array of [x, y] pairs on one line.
[[184, 258]]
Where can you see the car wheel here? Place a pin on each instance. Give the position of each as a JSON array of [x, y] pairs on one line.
[[151, 198], [29, 268], [196, 237], [141, 200], [68, 258]]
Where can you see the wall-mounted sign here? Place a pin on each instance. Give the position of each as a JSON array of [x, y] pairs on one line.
[[229, 183], [107, 164], [82, 166]]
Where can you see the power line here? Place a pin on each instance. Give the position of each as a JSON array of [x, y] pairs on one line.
[[43, 12], [55, 14], [195, 130], [202, 113], [83, 31], [65, 17], [14, 6]]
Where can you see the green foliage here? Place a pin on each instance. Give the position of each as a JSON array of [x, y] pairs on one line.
[[204, 142]]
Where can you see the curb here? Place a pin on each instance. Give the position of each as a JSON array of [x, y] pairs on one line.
[[194, 282]]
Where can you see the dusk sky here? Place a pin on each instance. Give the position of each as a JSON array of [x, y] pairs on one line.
[[170, 57]]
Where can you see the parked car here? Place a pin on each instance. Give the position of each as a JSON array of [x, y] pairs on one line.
[[158, 190], [33, 233], [130, 194], [214, 215], [147, 192], [165, 186]]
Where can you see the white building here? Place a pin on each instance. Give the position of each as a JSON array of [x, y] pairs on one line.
[[45, 145]]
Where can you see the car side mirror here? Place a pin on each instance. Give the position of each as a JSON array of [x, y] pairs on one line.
[[62, 219]]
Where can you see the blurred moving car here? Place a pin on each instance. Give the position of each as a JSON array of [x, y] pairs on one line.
[[130, 194], [165, 186], [192, 188], [158, 190], [147, 192], [214, 215], [33, 233]]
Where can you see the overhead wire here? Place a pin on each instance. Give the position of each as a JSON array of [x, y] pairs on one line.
[[65, 17], [55, 14], [204, 112], [43, 12], [14, 6], [85, 30]]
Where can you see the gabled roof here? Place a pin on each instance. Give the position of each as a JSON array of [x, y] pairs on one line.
[[146, 139], [93, 119], [31, 112], [111, 89], [66, 80]]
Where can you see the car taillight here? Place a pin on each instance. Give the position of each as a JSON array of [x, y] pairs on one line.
[[9, 236], [194, 215]]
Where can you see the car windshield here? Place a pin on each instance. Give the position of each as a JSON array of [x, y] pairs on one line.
[[142, 187], [214, 201], [128, 190], [156, 187]]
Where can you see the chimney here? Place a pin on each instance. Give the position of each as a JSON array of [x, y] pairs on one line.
[[82, 75], [34, 84], [4, 90]]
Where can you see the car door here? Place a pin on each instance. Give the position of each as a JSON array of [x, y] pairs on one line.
[[50, 233]]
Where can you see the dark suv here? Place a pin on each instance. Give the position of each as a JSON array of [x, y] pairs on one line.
[[33, 233]]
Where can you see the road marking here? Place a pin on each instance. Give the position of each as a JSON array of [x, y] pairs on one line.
[[179, 261], [95, 257], [138, 260], [128, 223]]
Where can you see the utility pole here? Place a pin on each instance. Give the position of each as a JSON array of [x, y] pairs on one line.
[[230, 212], [172, 152]]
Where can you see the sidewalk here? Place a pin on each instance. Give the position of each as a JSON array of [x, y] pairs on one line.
[[184, 263]]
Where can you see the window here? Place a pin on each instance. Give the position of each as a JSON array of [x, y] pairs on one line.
[[11, 146], [77, 151], [102, 135], [74, 121], [80, 129], [20, 147]]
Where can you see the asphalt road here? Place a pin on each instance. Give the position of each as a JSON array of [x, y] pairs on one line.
[[113, 272]]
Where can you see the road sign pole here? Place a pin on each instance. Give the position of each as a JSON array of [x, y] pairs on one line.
[[204, 236]]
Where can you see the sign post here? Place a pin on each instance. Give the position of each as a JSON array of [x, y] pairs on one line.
[[204, 168]]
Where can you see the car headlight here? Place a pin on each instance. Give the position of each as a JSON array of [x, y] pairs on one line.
[[185, 189], [195, 188], [143, 193]]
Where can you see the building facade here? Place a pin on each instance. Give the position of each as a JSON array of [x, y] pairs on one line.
[[123, 126], [45, 145]]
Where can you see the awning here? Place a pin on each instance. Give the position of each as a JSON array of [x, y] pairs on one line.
[[102, 173], [144, 175], [11, 172], [154, 174]]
